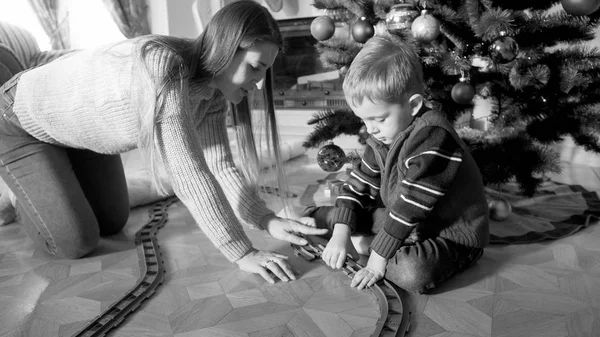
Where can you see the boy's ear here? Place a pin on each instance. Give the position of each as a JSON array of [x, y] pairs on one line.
[[416, 103]]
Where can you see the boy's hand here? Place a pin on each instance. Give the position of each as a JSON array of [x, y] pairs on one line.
[[370, 274], [338, 247]]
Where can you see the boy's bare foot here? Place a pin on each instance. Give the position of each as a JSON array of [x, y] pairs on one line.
[[362, 243], [7, 210]]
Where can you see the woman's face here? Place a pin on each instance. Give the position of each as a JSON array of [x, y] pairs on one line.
[[246, 71]]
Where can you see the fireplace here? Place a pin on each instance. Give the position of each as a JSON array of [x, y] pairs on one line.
[[300, 82]]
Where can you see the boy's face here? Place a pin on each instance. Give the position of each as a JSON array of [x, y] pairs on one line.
[[386, 120]]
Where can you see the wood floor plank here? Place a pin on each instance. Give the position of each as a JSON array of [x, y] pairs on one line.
[[543, 289], [584, 323], [302, 325], [246, 298], [258, 322], [529, 276], [542, 301], [529, 323], [330, 323], [198, 314], [458, 316], [211, 332], [204, 290], [43, 328], [145, 324]]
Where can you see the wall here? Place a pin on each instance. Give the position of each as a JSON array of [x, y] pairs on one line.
[[176, 17], [172, 18], [293, 9]]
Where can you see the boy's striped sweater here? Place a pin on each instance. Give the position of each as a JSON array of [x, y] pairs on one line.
[[428, 182]]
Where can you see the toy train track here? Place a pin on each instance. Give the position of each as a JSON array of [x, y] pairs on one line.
[[151, 270], [395, 318]]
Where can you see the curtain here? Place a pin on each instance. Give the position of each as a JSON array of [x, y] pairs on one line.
[[54, 20], [130, 16]]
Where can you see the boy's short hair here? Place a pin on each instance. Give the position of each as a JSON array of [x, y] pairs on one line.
[[386, 69]]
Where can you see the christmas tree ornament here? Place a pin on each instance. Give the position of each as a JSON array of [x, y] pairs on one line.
[[426, 27], [363, 134], [362, 31], [499, 209], [580, 7], [331, 158], [400, 17], [462, 92], [503, 49], [322, 28]]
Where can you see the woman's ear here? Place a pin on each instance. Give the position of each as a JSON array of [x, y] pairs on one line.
[[416, 103]]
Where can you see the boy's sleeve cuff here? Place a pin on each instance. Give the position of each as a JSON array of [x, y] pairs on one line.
[[346, 216], [385, 244]]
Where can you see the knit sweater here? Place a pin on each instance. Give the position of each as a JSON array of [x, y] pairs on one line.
[[95, 100], [428, 182]]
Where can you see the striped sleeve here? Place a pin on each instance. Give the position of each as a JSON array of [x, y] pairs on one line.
[[358, 191], [432, 161]]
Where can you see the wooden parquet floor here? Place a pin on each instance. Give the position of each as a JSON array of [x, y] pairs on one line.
[[546, 289]]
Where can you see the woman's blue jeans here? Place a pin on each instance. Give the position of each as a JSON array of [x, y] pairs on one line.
[[66, 198]]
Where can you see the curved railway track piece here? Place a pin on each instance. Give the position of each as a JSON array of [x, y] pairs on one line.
[[151, 270], [395, 316]]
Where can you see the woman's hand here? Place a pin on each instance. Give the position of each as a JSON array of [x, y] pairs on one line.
[[334, 254], [370, 274], [286, 229], [268, 264]]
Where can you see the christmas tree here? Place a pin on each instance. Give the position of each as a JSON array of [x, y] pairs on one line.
[[524, 59]]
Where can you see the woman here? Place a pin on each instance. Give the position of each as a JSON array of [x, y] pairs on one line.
[[64, 124]]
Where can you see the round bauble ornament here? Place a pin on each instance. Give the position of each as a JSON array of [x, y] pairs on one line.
[[331, 158], [362, 31], [426, 27], [343, 70], [400, 17], [499, 209], [580, 7], [363, 134], [462, 92], [322, 28], [503, 49]]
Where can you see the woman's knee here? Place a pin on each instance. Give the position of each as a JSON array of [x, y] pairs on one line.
[[75, 246], [113, 223]]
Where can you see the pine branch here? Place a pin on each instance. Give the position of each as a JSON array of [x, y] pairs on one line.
[[329, 4], [329, 124], [523, 75], [547, 30], [474, 10], [494, 22], [336, 53], [583, 58], [587, 140], [382, 7], [452, 64], [321, 117], [519, 5], [589, 116]]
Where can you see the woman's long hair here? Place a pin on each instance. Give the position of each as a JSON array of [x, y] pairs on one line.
[[238, 25]]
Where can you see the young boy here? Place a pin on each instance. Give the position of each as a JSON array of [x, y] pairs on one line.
[[417, 187]]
